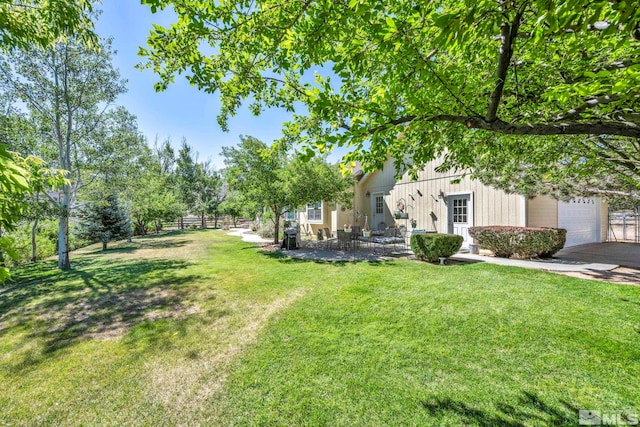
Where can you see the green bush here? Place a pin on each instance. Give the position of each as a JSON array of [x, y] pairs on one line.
[[523, 242], [22, 242], [430, 247]]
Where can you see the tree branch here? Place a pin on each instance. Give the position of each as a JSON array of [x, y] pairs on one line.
[[508, 34], [627, 129], [572, 128], [614, 193], [594, 102]]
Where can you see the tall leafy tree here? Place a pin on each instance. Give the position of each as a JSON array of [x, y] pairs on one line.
[[26, 24], [67, 89], [417, 80], [236, 206], [277, 179], [255, 170], [199, 185], [153, 196], [186, 176], [122, 158], [209, 192]]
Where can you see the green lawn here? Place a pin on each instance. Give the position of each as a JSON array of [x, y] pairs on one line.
[[198, 328]]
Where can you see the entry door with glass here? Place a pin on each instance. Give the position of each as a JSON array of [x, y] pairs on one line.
[[377, 210], [460, 216]]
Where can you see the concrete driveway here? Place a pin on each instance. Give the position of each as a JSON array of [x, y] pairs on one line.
[[623, 254]]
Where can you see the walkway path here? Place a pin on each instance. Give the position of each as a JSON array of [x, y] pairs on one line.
[[543, 264], [248, 235]]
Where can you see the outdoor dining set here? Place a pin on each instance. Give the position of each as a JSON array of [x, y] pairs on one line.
[[384, 239]]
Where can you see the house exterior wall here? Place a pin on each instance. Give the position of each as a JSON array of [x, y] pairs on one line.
[[334, 216], [490, 206], [310, 228], [542, 211]]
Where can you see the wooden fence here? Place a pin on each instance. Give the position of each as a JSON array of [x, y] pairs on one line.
[[194, 221]]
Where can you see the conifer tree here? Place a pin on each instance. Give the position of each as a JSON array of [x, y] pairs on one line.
[[104, 222]]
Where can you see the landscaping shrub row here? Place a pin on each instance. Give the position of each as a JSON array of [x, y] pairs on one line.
[[429, 247], [523, 242]]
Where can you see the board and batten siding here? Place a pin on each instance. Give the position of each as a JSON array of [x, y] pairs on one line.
[[490, 206], [604, 220], [542, 211]]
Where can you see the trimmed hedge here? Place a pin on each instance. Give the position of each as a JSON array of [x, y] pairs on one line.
[[429, 247], [523, 242]]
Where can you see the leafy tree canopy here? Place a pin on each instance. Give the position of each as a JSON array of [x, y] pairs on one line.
[[415, 80], [20, 177], [67, 89], [24, 23]]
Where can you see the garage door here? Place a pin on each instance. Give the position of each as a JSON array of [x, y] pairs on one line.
[[581, 218]]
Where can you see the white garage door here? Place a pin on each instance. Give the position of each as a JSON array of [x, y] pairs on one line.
[[581, 218]]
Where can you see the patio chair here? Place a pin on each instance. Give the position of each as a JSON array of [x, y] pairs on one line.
[[344, 240], [382, 226], [329, 237], [356, 231], [403, 232]]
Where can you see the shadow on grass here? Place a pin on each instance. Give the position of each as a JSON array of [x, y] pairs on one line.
[[530, 410], [96, 299], [287, 259], [147, 242]]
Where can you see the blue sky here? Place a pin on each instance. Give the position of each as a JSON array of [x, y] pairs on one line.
[[181, 110]]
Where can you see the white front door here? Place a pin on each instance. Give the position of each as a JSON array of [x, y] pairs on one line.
[[460, 212], [377, 210]]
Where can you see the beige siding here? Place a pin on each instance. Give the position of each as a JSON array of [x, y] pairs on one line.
[[490, 206], [604, 220], [310, 228], [542, 211]]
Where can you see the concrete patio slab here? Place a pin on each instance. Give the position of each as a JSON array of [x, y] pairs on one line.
[[336, 255]]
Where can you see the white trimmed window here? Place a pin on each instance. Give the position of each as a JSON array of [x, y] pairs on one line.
[[314, 212]]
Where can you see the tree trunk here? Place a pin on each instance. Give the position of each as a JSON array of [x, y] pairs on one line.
[[104, 246], [63, 230], [130, 233], [204, 220], [1, 253], [181, 223], [215, 219], [34, 245], [276, 228]]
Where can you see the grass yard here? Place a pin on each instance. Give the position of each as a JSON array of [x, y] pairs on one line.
[[199, 328]]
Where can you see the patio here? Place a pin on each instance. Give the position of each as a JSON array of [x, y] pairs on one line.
[[360, 251]]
